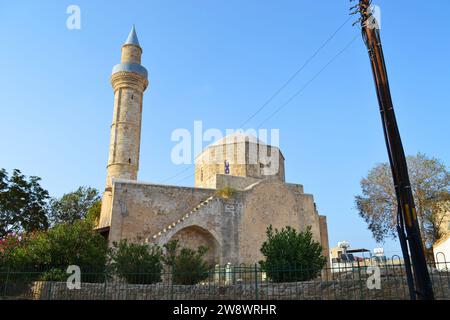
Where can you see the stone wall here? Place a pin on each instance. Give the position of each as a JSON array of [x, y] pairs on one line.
[[244, 160], [392, 288], [218, 220], [140, 210], [239, 223], [233, 228], [268, 203], [234, 182], [324, 239]]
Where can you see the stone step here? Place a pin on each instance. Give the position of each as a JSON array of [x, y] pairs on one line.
[[183, 218]]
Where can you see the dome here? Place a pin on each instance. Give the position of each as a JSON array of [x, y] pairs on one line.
[[237, 137], [239, 155]]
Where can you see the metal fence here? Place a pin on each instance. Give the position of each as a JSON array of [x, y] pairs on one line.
[[359, 280]]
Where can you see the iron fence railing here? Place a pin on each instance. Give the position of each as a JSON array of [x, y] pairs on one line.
[[358, 280]]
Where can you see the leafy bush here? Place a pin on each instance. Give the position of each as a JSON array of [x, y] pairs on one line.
[[56, 249], [8, 247], [23, 253], [226, 192], [188, 266], [54, 274], [76, 244], [14, 259], [137, 263], [291, 256], [93, 214]]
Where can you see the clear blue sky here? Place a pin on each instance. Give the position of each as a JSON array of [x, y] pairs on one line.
[[219, 61]]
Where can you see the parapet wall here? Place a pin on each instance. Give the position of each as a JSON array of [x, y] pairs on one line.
[[140, 210]]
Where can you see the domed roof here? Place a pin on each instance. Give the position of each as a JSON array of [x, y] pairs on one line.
[[237, 137]]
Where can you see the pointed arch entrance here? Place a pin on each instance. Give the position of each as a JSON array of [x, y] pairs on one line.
[[194, 236]]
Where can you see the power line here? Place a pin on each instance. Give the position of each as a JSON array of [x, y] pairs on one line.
[[176, 175], [306, 85], [182, 179], [296, 73], [287, 101], [309, 82]]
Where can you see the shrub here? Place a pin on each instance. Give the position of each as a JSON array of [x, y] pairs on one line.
[[76, 244], [54, 274], [291, 256], [188, 266], [14, 260], [56, 249], [8, 248], [24, 253], [136, 263], [93, 214], [226, 192]]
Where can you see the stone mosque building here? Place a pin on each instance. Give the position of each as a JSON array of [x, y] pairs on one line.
[[231, 224]]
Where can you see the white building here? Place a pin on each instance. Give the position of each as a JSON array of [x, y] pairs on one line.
[[441, 250]]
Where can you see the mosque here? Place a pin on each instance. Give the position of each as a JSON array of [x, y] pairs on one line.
[[237, 193]]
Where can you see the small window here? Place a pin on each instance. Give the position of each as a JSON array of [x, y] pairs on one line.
[[132, 96], [129, 160]]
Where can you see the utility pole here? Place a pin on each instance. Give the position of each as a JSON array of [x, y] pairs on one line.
[[419, 281]]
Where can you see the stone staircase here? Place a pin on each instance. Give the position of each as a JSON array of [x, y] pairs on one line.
[[181, 219]]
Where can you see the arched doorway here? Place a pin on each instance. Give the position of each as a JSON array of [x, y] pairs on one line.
[[194, 236]]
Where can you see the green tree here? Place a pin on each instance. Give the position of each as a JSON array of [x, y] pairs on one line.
[[291, 256], [15, 256], [430, 181], [137, 263], [54, 250], [188, 266], [29, 252], [23, 203], [94, 211], [73, 206], [77, 244]]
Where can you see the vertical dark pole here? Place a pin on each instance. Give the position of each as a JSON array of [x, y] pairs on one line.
[[5, 291], [407, 261], [256, 282], [408, 219]]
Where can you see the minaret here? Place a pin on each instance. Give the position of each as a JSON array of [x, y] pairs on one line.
[[129, 81]]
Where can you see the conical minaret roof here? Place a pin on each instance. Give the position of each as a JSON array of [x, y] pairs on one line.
[[131, 56], [132, 37]]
